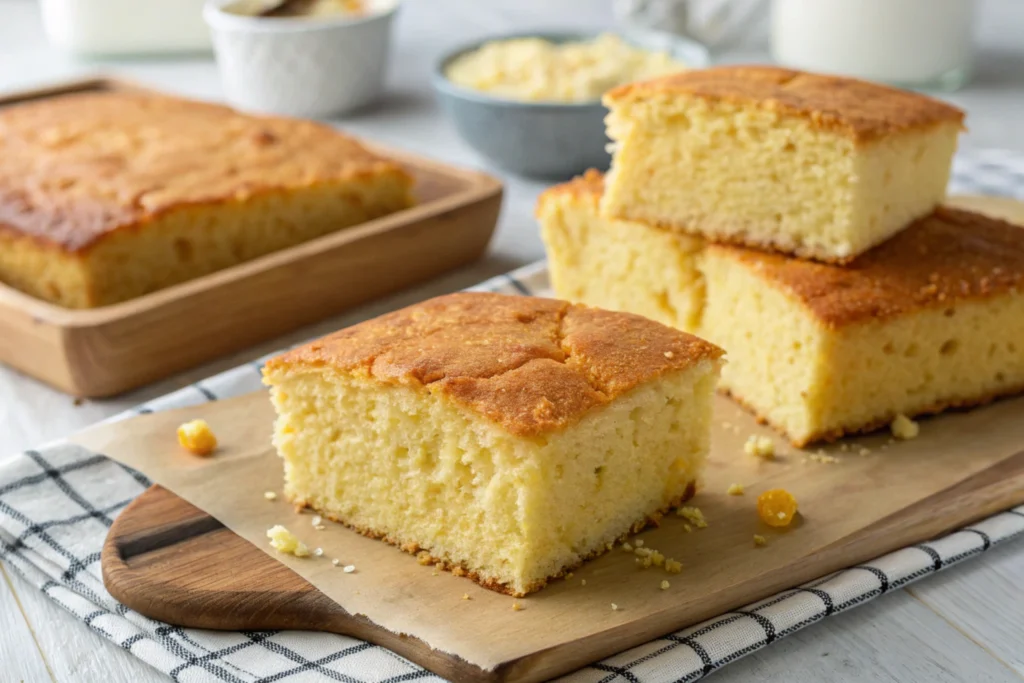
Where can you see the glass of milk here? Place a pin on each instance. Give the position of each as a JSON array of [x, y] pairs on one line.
[[922, 44]]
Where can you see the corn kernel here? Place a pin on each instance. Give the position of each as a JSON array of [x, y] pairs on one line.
[[197, 438], [776, 507]]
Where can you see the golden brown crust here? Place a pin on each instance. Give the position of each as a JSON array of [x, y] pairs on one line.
[[587, 187], [531, 365], [949, 256], [857, 108], [833, 435], [654, 519], [77, 167]]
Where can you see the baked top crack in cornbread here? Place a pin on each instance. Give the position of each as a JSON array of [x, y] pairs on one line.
[[107, 196], [818, 166], [506, 438], [933, 318]]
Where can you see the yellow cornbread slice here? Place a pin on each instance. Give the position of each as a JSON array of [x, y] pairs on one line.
[[932, 319], [618, 265], [506, 438], [818, 166]]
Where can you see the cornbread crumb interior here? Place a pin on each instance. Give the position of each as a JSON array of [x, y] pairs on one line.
[[818, 166], [107, 196], [508, 437]]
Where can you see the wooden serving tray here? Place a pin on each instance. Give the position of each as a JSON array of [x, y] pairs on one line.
[[105, 351]]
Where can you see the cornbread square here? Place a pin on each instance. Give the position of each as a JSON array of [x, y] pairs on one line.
[[107, 196], [818, 166], [505, 438], [932, 319], [617, 264]]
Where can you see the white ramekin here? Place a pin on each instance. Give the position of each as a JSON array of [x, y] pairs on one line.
[[314, 68]]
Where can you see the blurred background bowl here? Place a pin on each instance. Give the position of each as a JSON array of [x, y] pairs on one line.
[[548, 140], [300, 66]]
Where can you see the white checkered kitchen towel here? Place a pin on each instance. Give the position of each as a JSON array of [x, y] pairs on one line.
[[57, 502]]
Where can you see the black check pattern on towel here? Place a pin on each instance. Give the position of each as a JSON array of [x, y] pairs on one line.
[[57, 502]]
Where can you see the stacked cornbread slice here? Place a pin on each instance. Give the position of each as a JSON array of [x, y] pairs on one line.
[[816, 166], [929, 318], [505, 438]]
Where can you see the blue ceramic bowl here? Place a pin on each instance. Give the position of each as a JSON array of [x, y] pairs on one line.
[[550, 140]]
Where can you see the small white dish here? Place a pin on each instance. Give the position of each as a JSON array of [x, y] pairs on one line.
[[300, 66]]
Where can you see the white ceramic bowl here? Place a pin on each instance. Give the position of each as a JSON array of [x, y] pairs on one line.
[[314, 68]]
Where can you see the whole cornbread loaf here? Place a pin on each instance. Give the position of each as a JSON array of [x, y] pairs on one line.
[[107, 196]]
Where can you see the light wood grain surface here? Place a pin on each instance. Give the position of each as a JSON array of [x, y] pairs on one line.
[[961, 625]]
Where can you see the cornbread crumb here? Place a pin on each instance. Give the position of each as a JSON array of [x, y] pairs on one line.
[[673, 567], [569, 575], [904, 428], [465, 596], [336, 562], [865, 451], [459, 571], [615, 608], [693, 515], [435, 573], [319, 552], [760, 540], [349, 568], [317, 520], [644, 562], [665, 585], [761, 446], [657, 558], [424, 558], [284, 541], [197, 438], [320, 527], [639, 543], [688, 528], [583, 582], [516, 607], [776, 507], [627, 548], [823, 458], [270, 495], [735, 490]]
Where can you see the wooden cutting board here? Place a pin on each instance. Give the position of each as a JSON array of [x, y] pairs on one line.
[[171, 561]]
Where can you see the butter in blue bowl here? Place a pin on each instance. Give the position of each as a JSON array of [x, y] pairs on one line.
[[531, 104]]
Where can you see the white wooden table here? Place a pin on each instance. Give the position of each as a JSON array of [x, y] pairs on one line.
[[965, 624]]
